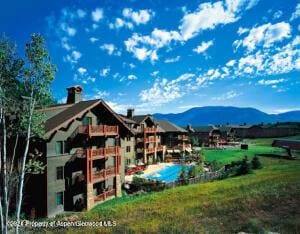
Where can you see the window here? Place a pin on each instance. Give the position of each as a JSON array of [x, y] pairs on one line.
[[59, 198], [128, 149], [129, 138], [86, 121], [59, 147], [128, 161], [59, 173]]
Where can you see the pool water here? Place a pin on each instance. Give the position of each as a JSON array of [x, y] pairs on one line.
[[168, 174]]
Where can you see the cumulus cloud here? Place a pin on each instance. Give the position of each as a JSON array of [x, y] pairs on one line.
[[172, 60], [296, 13], [265, 35], [132, 77], [226, 96], [138, 17], [81, 13], [270, 82], [93, 39], [203, 47], [206, 17], [82, 70], [97, 14], [105, 71], [111, 49], [119, 23]]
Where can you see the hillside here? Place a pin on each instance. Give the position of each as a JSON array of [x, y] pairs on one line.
[[223, 115], [247, 203]]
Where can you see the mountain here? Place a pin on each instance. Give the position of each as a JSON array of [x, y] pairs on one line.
[[227, 114]]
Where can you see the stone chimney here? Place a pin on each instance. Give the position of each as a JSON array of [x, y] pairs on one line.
[[74, 94], [130, 113]]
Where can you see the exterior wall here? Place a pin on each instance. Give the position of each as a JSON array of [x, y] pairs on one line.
[[127, 157]]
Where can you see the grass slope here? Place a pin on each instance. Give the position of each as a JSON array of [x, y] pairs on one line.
[[266, 200]]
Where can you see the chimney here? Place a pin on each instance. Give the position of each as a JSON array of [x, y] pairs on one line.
[[130, 113], [74, 94]]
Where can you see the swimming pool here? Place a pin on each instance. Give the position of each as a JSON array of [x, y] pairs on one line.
[[168, 174]]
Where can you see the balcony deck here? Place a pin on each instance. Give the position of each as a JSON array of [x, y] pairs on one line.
[[105, 195], [104, 174], [98, 153], [99, 130]]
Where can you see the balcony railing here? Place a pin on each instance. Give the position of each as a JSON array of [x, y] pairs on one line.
[[98, 153], [99, 130], [150, 150], [150, 130], [150, 139], [183, 138], [104, 174], [105, 195], [159, 148]]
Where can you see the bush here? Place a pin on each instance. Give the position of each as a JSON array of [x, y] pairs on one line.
[[255, 163], [244, 167], [184, 174]]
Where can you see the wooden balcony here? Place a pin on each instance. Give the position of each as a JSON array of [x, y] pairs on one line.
[[150, 150], [183, 138], [104, 174], [99, 130], [159, 148], [150, 140], [150, 130], [98, 153], [105, 195]]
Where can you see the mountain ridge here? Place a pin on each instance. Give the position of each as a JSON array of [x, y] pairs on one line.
[[227, 115]]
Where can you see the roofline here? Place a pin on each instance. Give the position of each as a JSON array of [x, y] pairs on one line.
[[49, 133]]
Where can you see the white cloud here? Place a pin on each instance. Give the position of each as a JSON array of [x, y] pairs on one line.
[[203, 47], [296, 13], [226, 96], [110, 48], [119, 23], [154, 73], [164, 91], [230, 63], [81, 13], [270, 82], [97, 14], [93, 39], [172, 60], [138, 17], [242, 30], [105, 71], [117, 107], [209, 15], [277, 14], [82, 70], [76, 55], [265, 35], [145, 47], [132, 77], [69, 30]]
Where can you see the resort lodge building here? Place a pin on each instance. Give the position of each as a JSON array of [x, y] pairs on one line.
[[86, 149]]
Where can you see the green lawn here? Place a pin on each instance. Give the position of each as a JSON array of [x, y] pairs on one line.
[[266, 200]]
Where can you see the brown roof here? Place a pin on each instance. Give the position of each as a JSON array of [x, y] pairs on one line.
[[71, 113]]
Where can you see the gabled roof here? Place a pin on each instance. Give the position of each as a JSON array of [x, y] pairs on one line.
[[140, 118], [73, 112], [207, 128], [70, 113], [169, 127]]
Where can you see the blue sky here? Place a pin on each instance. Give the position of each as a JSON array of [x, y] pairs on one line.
[[168, 56]]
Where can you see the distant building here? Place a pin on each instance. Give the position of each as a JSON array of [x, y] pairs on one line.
[[208, 136], [174, 137]]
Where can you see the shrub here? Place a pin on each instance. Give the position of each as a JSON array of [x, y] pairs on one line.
[[244, 167], [255, 163], [184, 174]]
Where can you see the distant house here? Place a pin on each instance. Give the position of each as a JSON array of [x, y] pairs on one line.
[[289, 144], [208, 136], [173, 137]]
